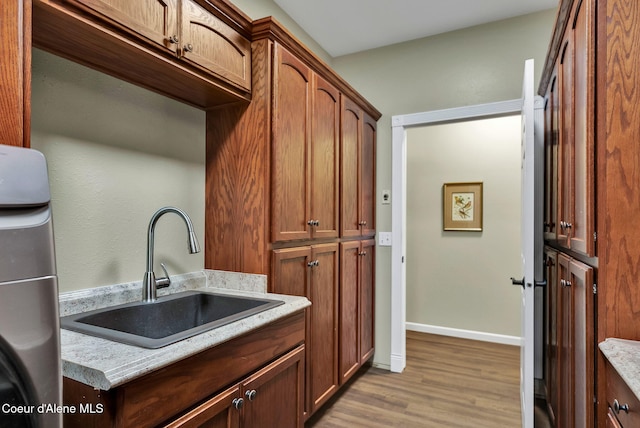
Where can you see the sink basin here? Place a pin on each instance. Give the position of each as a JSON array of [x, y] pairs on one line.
[[170, 319]]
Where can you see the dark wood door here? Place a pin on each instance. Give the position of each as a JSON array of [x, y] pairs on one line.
[[581, 284], [552, 333], [217, 412], [368, 176], [551, 142], [154, 21], [273, 397], [325, 155], [565, 345], [323, 341], [565, 190], [583, 219], [349, 309], [350, 137], [291, 178], [367, 299], [209, 44]]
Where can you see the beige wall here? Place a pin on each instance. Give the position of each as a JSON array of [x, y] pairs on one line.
[[457, 279], [472, 66], [466, 67], [116, 153]]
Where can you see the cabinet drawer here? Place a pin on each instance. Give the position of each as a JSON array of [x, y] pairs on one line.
[[618, 390]]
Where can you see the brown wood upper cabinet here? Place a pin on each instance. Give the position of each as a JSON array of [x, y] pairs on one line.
[[305, 152], [199, 37], [570, 139], [357, 165]]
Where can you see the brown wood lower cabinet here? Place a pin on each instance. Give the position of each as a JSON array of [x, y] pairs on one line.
[[624, 407], [312, 271], [570, 380], [357, 270], [265, 399], [255, 380]]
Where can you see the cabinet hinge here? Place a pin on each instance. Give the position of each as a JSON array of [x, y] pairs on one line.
[[595, 288]]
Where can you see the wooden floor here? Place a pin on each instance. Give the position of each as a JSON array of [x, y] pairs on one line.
[[448, 382]]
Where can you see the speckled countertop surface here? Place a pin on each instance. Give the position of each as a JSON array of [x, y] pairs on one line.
[[105, 364], [624, 356]]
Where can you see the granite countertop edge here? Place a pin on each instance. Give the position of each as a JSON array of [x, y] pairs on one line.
[[105, 364], [624, 357]]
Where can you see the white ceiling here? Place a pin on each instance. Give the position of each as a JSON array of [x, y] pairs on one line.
[[346, 26]]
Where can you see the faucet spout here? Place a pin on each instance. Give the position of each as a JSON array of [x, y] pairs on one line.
[[149, 281]]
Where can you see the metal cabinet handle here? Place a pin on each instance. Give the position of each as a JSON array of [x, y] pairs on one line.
[[565, 283], [617, 407], [313, 222], [188, 47], [173, 39], [251, 395], [313, 263], [237, 403]]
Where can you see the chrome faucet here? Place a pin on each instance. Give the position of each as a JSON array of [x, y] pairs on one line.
[[149, 283]]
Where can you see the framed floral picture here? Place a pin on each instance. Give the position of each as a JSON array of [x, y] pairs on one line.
[[462, 206]]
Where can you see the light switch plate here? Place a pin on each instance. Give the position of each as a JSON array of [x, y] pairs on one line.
[[384, 239]]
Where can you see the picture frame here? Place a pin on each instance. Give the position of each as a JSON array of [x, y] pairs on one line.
[[462, 206]]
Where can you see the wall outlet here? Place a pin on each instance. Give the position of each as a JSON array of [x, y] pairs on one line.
[[384, 239]]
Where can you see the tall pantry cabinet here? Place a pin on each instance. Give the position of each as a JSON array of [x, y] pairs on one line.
[[592, 184], [290, 183]]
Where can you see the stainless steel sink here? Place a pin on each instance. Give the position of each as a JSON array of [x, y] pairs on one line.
[[167, 320]]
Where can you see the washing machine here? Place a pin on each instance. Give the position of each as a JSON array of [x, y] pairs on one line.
[[30, 366]]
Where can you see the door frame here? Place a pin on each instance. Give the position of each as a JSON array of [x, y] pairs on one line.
[[399, 126]]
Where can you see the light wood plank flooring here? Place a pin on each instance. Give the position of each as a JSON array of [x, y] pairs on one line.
[[448, 382]]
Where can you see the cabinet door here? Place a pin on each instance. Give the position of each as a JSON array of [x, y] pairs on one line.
[[323, 341], [221, 411], [582, 219], [211, 45], [565, 195], [368, 176], [350, 137], [273, 397], [155, 21], [581, 284], [612, 422], [565, 345], [349, 309], [291, 178], [325, 151], [367, 299], [551, 142], [552, 332], [290, 271]]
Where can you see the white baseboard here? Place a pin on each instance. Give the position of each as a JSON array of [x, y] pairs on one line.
[[465, 334], [398, 363]]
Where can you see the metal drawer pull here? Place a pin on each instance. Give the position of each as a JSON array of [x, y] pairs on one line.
[[617, 407], [237, 403]]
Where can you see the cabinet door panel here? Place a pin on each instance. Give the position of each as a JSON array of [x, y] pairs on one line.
[[551, 160], [325, 146], [583, 159], [273, 396], [565, 190], [291, 175], [349, 165], [367, 299], [552, 332], [565, 345], [368, 175], [210, 44], [154, 20], [218, 412], [323, 359], [290, 272], [349, 309], [581, 277]]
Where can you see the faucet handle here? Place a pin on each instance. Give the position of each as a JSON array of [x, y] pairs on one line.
[[164, 281]]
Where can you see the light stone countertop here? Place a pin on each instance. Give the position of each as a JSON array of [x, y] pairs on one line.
[[104, 364], [624, 357]]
